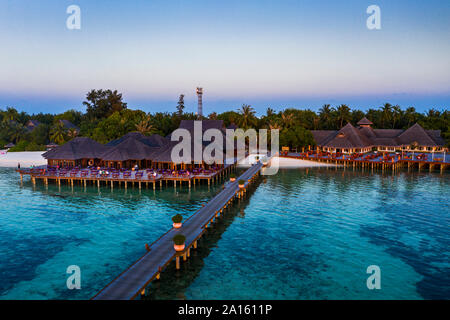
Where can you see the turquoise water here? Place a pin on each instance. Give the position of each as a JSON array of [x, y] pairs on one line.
[[301, 234]]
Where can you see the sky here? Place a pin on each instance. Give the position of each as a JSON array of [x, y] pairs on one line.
[[277, 54]]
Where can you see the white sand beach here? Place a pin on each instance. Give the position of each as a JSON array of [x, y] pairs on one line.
[[286, 163], [298, 163], [26, 159]]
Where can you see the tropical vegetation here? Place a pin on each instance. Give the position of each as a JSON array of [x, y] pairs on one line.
[[107, 117]]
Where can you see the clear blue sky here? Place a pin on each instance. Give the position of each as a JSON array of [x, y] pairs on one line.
[[264, 53]]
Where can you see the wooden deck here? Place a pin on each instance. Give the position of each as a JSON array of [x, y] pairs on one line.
[[395, 164], [133, 281], [41, 174]]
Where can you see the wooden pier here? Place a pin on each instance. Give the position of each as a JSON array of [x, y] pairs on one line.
[[133, 281], [377, 164], [145, 179]]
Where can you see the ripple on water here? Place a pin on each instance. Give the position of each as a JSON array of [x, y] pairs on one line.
[[302, 234]]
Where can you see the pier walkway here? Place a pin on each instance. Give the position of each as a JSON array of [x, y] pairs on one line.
[[133, 281], [380, 160]]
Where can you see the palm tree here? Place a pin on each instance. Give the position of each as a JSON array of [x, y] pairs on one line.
[[10, 115], [212, 116], [386, 114], [16, 131], [288, 119], [343, 114], [396, 114], [58, 133], [247, 116], [270, 112], [325, 115], [273, 125], [144, 126], [72, 133], [410, 115]]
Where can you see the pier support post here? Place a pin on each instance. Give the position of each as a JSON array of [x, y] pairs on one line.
[[195, 244], [177, 262]]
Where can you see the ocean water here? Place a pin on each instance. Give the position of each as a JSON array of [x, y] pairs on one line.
[[301, 234]]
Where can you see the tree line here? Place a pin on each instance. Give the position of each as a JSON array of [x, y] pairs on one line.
[[107, 117]]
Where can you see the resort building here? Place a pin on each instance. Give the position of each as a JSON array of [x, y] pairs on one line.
[[80, 151], [133, 149], [163, 158], [69, 126], [365, 139], [32, 124]]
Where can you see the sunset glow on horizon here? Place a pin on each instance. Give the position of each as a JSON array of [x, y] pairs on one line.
[[299, 52]]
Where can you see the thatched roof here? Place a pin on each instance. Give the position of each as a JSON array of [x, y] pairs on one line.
[[416, 134], [78, 148], [364, 121], [350, 137], [232, 126], [206, 124], [129, 149], [154, 141], [321, 136], [69, 125], [164, 154]]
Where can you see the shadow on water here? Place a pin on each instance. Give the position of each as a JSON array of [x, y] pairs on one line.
[[173, 283]]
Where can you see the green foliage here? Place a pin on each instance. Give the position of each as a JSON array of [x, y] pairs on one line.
[[180, 105], [177, 218], [117, 125], [107, 117], [27, 146], [179, 239], [241, 182], [296, 137], [233, 175], [229, 117], [71, 115], [58, 133], [101, 104]]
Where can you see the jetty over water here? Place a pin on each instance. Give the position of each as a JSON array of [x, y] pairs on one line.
[[378, 160], [133, 281], [108, 176]]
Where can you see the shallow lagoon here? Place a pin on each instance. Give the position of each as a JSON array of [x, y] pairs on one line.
[[302, 234]]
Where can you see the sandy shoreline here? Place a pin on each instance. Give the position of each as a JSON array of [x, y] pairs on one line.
[[292, 163], [298, 163], [26, 159]]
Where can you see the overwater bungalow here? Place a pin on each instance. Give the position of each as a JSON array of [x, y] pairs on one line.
[[129, 151], [363, 139], [80, 151], [163, 158], [153, 141]]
